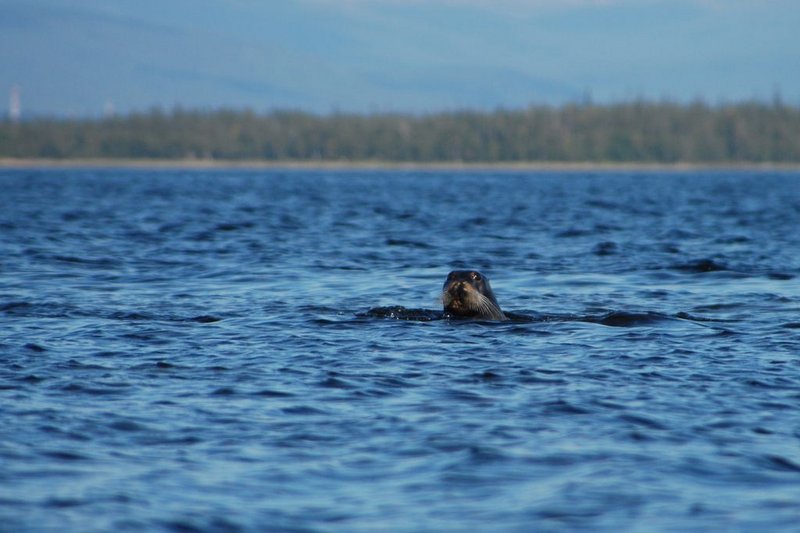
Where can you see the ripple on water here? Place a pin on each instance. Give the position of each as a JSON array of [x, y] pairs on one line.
[[264, 350]]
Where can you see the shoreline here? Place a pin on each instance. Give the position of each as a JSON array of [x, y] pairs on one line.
[[218, 164]]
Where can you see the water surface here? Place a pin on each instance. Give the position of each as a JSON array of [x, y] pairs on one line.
[[195, 351]]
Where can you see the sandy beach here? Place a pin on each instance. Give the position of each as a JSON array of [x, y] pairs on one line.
[[551, 166]]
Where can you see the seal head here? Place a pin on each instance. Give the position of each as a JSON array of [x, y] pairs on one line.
[[467, 294]]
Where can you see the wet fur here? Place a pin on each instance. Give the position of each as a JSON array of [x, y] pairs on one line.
[[468, 294]]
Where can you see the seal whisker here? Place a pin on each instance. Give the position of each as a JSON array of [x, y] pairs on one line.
[[489, 308], [482, 302]]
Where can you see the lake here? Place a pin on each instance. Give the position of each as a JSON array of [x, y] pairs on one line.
[[210, 350]]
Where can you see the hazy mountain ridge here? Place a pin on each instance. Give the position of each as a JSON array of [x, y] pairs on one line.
[[82, 58]]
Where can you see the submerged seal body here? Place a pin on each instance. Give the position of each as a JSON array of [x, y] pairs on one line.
[[467, 294]]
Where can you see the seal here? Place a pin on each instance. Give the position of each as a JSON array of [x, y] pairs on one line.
[[467, 294]]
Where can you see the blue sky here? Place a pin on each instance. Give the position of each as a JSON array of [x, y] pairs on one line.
[[79, 57]]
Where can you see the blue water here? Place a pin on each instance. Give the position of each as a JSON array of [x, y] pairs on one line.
[[201, 351]]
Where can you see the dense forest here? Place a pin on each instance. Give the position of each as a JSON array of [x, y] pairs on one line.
[[656, 132]]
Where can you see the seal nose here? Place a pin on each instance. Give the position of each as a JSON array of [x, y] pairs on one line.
[[460, 288]]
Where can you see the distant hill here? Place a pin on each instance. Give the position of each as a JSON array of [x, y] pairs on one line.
[[80, 57]]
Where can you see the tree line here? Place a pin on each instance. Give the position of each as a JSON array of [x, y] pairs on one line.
[[657, 132]]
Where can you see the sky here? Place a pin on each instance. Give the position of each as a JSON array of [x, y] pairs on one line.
[[89, 57]]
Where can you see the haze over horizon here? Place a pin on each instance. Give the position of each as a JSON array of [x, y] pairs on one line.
[[389, 55]]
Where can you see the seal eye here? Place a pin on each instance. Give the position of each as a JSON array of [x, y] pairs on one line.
[[475, 276]]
